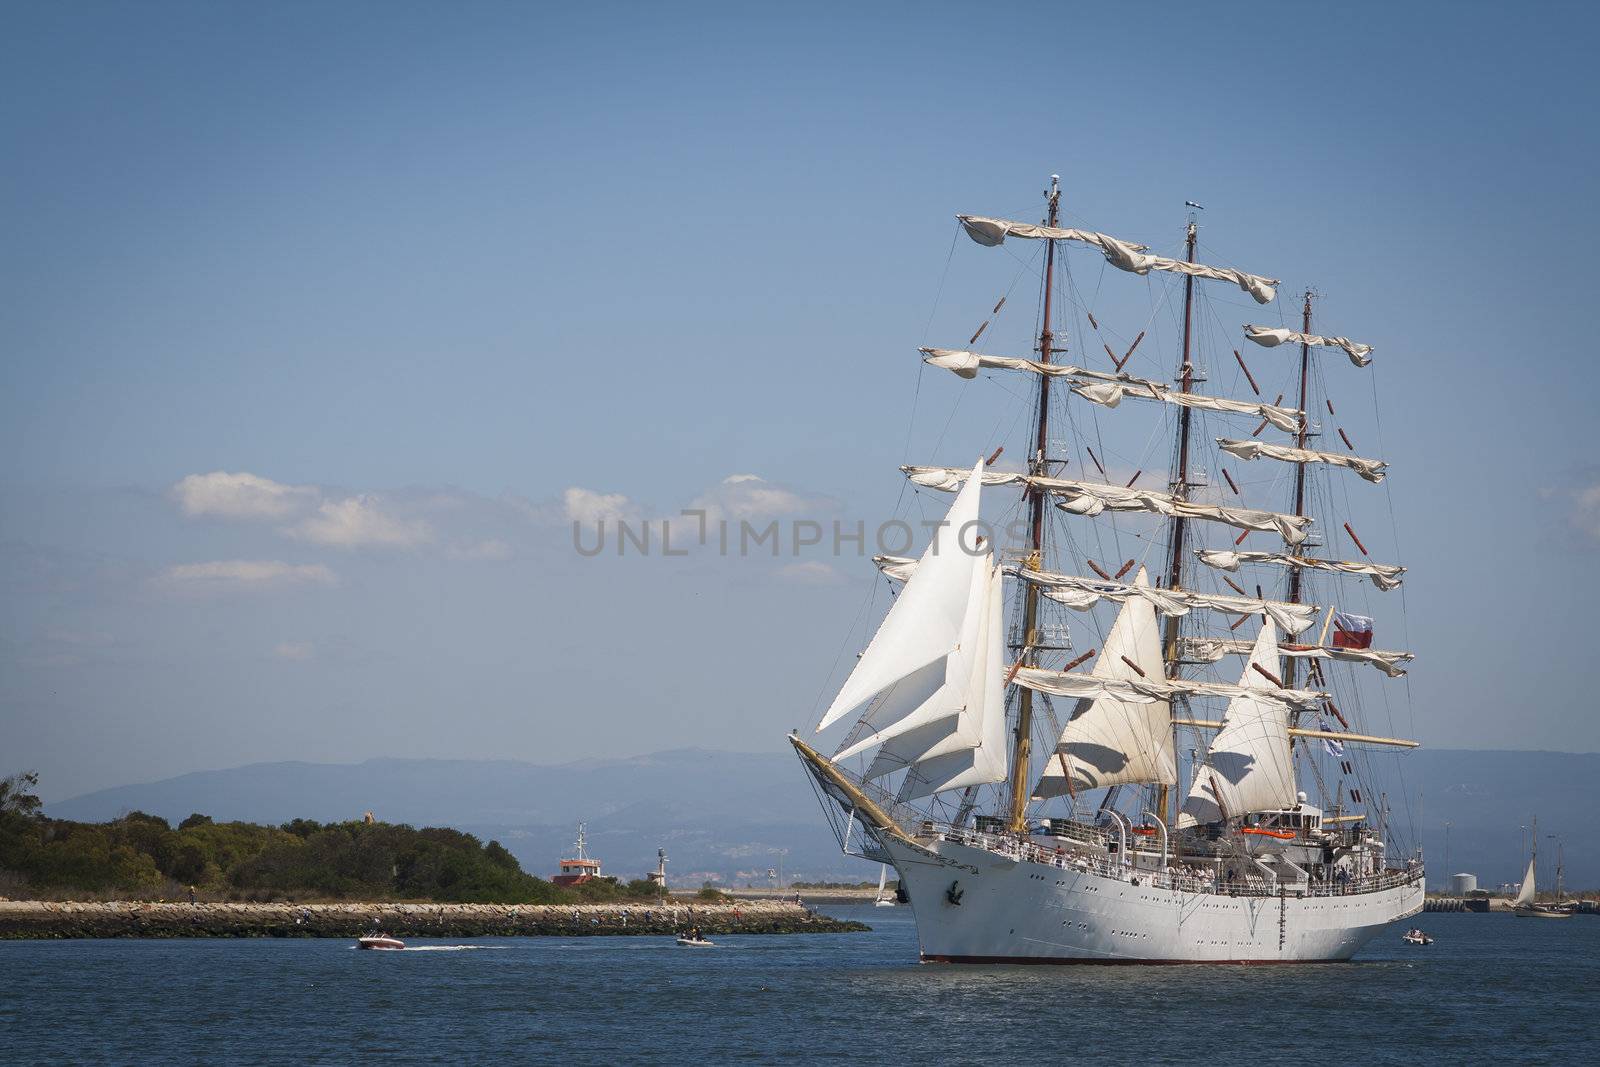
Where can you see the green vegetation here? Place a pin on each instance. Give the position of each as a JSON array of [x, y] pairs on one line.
[[141, 855]]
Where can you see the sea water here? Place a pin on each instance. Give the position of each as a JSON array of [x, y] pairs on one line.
[[1491, 989]]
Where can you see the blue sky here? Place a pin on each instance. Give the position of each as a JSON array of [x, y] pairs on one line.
[[431, 270]]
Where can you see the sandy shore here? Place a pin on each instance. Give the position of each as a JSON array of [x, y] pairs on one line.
[[51, 919]]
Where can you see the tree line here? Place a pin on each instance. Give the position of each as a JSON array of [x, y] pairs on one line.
[[143, 856]]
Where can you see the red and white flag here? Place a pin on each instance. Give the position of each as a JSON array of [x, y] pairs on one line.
[[1351, 631]]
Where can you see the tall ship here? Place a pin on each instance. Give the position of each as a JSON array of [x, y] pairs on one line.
[[1090, 729]]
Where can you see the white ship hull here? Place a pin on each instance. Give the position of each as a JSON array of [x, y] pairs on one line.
[[1017, 911]]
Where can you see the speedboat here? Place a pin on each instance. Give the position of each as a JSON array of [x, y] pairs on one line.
[[695, 942], [380, 941], [1416, 937]]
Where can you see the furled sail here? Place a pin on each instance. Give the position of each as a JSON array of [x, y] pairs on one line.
[[1370, 469], [1248, 766], [1385, 576], [1091, 498], [934, 726], [1210, 650], [1272, 336], [1110, 740], [1526, 892], [1074, 684], [1124, 255], [984, 761], [924, 624], [1108, 390], [1082, 593], [991, 232]]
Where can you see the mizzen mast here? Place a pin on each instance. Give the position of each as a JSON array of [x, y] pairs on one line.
[[1038, 464]]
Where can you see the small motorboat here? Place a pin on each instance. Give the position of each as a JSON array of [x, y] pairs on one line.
[[1416, 937], [695, 940], [380, 941]]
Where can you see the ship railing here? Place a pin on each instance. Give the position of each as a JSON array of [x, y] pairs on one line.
[[1190, 880]]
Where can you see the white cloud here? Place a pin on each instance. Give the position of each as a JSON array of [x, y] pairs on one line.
[[811, 572], [358, 521], [494, 550], [241, 496], [751, 497], [244, 574], [295, 650], [588, 506], [1586, 511]]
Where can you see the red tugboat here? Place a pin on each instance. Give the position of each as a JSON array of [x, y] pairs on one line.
[[579, 870]]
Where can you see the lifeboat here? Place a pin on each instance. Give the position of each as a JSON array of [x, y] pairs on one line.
[[1145, 831]]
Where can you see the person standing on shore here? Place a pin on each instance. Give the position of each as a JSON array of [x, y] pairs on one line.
[[191, 895]]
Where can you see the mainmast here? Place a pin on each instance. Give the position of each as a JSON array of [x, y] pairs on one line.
[[1290, 666], [1180, 484], [1022, 748]]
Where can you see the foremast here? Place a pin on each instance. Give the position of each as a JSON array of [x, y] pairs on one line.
[[1038, 466], [1300, 438]]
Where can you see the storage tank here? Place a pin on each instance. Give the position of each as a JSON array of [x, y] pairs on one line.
[[1462, 884]]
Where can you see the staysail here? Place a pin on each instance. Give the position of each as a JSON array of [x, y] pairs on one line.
[[924, 625], [1248, 766], [982, 761], [1110, 740], [933, 726], [1526, 893]]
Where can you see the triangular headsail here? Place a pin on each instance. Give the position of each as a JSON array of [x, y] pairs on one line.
[[1527, 892], [1248, 766], [925, 622]]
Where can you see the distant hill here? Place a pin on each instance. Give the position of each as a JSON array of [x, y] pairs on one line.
[[722, 812]]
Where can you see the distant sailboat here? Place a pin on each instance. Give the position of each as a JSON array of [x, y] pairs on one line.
[[1525, 905], [884, 899]]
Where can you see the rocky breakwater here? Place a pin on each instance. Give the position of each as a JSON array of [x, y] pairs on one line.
[[52, 919]]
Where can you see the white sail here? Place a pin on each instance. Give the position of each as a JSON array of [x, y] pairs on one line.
[[1135, 690], [1108, 391], [991, 232], [1526, 893], [1124, 255], [967, 364], [1091, 498], [985, 762], [1385, 576], [1248, 766], [1210, 650], [934, 726], [1082, 593], [1370, 469], [1271, 337], [1109, 740], [924, 624]]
